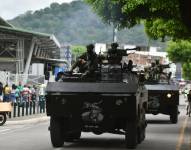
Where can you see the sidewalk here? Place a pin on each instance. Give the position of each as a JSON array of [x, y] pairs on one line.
[[182, 100], [31, 119]]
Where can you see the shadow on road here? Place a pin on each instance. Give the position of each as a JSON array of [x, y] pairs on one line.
[[159, 122], [96, 143]]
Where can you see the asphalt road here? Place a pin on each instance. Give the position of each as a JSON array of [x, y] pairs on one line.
[[160, 135]]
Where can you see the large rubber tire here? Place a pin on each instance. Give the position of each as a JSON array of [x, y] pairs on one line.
[[56, 132], [174, 115], [3, 118], [131, 135]]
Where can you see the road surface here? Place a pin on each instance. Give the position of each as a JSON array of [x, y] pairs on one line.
[[160, 135]]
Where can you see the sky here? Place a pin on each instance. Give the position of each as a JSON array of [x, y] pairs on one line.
[[12, 8]]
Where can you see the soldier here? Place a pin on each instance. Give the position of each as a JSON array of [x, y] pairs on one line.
[[151, 71], [128, 66], [115, 55], [189, 103], [87, 62]]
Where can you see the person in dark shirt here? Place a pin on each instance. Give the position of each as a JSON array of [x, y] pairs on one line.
[[129, 66], [1, 91], [189, 103], [87, 62]]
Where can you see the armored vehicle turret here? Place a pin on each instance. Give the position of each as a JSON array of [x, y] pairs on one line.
[[111, 100]]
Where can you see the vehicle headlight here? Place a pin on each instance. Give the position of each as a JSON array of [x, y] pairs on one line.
[[169, 95]]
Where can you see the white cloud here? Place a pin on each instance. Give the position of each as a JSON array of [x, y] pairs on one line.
[[12, 8]]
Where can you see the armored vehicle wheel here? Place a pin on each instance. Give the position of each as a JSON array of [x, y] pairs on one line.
[[131, 135], [174, 115], [73, 136], [3, 118], [56, 132]]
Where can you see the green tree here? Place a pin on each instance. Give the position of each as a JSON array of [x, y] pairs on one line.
[[180, 51], [76, 23], [78, 49], [162, 18], [187, 70]]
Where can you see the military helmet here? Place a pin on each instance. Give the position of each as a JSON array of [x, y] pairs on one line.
[[90, 48], [115, 45]]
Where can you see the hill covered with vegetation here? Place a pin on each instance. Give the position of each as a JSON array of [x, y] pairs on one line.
[[75, 23]]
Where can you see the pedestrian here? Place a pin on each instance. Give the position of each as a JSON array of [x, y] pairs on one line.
[[1, 91], [25, 94], [189, 103], [33, 93], [6, 93], [20, 86], [12, 95], [20, 89], [185, 92], [17, 94]]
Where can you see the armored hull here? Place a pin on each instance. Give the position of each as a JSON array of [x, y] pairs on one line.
[[98, 107], [113, 100], [164, 99]]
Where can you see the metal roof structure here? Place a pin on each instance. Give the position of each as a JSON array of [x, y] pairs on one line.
[[19, 48], [4, 23], [44, 41]]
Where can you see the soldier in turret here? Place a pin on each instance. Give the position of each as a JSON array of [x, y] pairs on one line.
[[87, 62], [115, 55]]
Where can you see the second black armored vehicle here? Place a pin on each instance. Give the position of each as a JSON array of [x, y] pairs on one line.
[[113, 100], [163, 93]]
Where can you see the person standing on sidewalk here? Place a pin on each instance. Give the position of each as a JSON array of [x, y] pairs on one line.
[[189, 103], [19, 90], [6, 93], [1, 91], [25, 94], [12, 95]]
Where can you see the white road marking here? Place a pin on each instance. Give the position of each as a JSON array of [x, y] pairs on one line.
[[5, 130]]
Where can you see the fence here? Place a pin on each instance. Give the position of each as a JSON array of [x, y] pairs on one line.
[[26, 79], [28, 108], [7, 77]]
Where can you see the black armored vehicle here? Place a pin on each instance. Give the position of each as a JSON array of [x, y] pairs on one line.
[[163, 93], [111, 101]]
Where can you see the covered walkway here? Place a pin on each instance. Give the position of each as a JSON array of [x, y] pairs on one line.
[[19, 48]]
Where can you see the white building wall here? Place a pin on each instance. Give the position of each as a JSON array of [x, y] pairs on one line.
[[100, 47], [37, 69]]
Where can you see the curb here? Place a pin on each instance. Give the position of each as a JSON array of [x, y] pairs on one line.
[[28, 121]]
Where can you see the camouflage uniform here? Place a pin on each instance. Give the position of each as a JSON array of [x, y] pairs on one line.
[[115, 55], [87, 62]]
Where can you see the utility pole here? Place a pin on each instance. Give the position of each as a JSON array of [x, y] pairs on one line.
[[114, 34]]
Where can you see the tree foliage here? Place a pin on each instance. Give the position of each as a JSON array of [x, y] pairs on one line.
[[78, 49], [180, 51], [76, 23], [162, 18], [187, 70]]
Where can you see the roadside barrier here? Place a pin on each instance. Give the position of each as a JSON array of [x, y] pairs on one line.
[[28, 108]]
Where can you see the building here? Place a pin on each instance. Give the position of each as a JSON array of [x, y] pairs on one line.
[[20, 49]]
